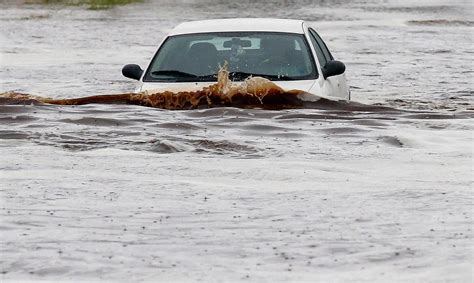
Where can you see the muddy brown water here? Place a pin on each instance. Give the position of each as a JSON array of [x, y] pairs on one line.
[[377, 189]]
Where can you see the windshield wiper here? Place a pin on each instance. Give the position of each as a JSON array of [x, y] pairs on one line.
[[183, 76], [187, 77], [211, 77], [243, 76], [173, 73]]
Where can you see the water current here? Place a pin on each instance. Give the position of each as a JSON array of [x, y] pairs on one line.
[[376, 189]]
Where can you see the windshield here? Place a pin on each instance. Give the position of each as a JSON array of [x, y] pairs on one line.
[[197, 57]]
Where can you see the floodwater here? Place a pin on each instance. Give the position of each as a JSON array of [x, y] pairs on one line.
[[378, 192]]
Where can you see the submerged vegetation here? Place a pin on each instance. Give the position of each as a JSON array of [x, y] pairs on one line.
[[92, 4]]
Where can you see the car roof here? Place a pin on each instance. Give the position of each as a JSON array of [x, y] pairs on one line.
[[240, 24]]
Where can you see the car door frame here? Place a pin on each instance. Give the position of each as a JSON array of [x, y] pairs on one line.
[[335, 86]]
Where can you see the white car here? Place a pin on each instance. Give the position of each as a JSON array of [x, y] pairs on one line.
[[287, 52]]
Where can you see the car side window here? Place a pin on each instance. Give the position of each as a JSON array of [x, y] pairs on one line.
[[319, 52], [322, 45]]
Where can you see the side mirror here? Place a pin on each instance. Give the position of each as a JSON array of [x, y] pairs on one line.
[[333, 68], [132, 71]]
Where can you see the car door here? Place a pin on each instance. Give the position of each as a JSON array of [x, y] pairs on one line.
[[334, 86]]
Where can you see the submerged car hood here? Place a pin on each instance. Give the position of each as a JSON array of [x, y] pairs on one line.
[[194, 86]]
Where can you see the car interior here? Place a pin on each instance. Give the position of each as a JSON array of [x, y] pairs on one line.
[[273, 55]]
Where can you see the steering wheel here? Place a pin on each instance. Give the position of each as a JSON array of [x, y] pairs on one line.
[[273, 61], [274, 65]]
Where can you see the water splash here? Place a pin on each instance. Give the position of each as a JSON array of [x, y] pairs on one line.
[[254, 92]]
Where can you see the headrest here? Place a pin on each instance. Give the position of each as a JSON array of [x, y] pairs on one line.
[[202, 48], [277, 43]]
